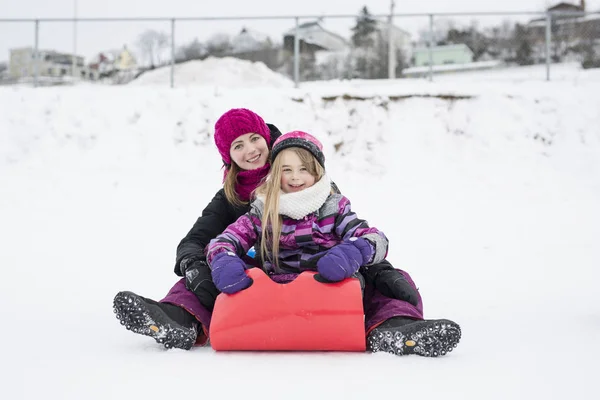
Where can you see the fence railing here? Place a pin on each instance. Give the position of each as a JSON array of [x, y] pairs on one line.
[[546, 37]]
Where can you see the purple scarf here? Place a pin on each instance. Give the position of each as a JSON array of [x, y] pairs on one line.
[[249, 180]]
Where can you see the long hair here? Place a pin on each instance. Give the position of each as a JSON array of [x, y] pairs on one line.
[[271, 190], [229, 185]]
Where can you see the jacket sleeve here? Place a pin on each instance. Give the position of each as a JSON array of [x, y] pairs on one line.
[[347, 225], [239, 237], [217, 215]]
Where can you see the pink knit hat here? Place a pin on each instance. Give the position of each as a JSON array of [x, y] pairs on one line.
[[299, 139], [235, 123]]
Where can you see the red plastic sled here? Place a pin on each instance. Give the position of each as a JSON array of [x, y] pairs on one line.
[[301, 315]]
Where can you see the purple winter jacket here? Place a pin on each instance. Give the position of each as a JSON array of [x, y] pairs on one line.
[[302, 242]]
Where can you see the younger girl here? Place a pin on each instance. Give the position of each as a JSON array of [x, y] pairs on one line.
[[299, 224]]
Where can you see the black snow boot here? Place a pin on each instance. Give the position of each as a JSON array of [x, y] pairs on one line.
[[404, 336], [169, 325]]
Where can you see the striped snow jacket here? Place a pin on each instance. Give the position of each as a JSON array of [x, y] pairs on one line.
[[302, 242]]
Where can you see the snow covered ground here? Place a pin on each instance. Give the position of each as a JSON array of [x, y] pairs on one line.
[[487, 187]]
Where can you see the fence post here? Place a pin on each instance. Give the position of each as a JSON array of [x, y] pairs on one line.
[[297, 54], [36, 54], [548, 43], [430, 74], [391, 45], [172, 52]]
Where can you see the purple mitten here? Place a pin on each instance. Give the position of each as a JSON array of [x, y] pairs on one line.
[[229, 273], [343, 260]]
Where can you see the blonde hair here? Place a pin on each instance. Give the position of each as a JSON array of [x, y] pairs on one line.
[[271, 189], [229, 185]]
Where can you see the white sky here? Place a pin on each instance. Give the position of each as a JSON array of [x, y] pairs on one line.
[[94, 37]]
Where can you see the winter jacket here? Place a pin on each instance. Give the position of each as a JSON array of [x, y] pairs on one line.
[[302, 242], [217, 215]]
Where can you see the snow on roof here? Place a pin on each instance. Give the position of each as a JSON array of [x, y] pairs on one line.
[[226, 72], [314, 33]]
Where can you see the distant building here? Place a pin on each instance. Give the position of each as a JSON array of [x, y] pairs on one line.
[[255, 46], [569, 31], [51, 64], [249, 40], [568, 7], [103, 63], [400, 37], [113, 60], [125, 60], [443, 55], [537, 26], [116, 66], [313, 37], [566, 27]]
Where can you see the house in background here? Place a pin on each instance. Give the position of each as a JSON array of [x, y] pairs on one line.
[[566, 23], [52, 64], [111, 61], [255, 46], [118, 66], [318, 47], [103, 63], [571, 33], [313, 37], [443, 55], [249, 40], [400, 37], [125, 60]]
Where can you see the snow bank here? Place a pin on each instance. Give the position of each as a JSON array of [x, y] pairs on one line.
[[228, 72]]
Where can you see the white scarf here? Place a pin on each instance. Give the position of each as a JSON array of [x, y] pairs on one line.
[[297, 205]]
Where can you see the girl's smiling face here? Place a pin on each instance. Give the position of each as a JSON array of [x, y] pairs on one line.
[[249, 151], [294, 174]]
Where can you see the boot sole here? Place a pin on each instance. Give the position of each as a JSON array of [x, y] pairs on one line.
[[140, 317], [425, 338]]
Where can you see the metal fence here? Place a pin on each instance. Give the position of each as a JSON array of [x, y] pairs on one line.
[[403, 45]]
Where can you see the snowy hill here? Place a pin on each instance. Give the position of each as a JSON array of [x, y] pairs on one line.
[[227, 71], [488, 189]]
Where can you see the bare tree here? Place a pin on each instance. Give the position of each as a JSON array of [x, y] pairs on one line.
[[151, 43], [218, 45], [194, 50]]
